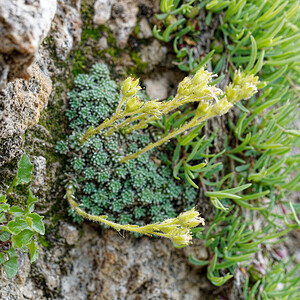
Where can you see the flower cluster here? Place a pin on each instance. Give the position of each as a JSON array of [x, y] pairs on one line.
[[178, 229], [211, 100], [128, 193], [242, 87]]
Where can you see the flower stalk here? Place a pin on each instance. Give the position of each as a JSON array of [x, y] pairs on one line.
[[176, 229], [211, 100]]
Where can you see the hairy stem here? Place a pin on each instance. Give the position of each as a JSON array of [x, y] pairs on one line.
[[189, 125]]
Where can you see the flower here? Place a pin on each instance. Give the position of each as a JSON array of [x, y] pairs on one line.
[[190, 219], [222, 107], [181, 236], [133, 104], [243, 87], [130, 87]]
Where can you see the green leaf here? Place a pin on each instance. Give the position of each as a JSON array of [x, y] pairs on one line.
[[2, 218], [11, 267], [197, 262], [218, 281], [37, 223], [222, 195], [16, 211], [33, 251], [31, 201], [22, 239], [177, 168], [188, 178], [217, 204], [3, 199], [24, 170], [196, 167], [17, 225], [11, 252], [212, 264], [253, 54], [236, 258], [4, 207], [4, 236], [2, 258]]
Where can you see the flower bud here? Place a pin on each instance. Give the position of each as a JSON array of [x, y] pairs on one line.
[[185, 87], [203, 108], [130, 87], [167, 228], [222, 107], [201, 77], [133, 104], [151, 107], [181, 236], [190, 219], [242, 87]]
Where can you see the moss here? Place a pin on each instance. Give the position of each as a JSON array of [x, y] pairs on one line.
[[140, 65], [42, 240]]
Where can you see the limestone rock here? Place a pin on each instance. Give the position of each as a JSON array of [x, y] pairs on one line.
[[69, 233], [157, 88], [39, 181], [154, 54], [21, 103], [112, 267], [102, 10], [67, 27], [23, 25], [145, 31], [124, 18]]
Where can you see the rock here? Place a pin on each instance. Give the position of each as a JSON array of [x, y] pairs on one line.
[[102, 9], [154, 54], [21, 103], [67, 27], [102, 43], [23, 25], [10, 147], [157, 88], [69, 233], [112, 267], [47, 266], [39, 180], [145, 31], [124, 18]]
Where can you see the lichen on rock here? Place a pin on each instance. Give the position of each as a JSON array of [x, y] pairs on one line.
[[23, 26]]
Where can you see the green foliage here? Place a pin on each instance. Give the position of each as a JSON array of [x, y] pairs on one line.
[[254, 173], [247, 30], [102, 183], [275, 275], [18, 226]]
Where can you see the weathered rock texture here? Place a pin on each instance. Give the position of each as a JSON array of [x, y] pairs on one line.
[[21, 103], [23, 25], [66, 27], [124, 17], [108, 266], [102, 10]]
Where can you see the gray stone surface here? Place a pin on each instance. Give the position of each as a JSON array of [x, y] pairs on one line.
[[67, 27], [154, 54], [102, 11], [145, 31], [21, 103], [112, 267], [123, 21], [107, 266], [23, 25]]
